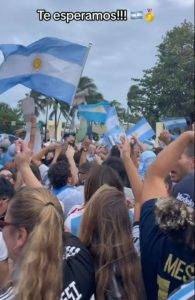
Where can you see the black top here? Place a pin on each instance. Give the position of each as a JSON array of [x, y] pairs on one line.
[[166, 264], [79, 275]]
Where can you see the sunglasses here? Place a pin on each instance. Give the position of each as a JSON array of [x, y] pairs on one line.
[[4, 223]]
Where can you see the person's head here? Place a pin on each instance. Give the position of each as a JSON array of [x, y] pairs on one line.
[[6, 193], [49, 158], [185, 164], [175, 214], [69, 137], [4, 144], [117, 164], [36, 171], [62, 157], [84, 171], [106, 231], [59, 174], [33, 233], [9, 173], [98, 176], [115, 151]]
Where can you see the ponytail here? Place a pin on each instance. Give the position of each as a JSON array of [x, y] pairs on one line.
[[41, 264]]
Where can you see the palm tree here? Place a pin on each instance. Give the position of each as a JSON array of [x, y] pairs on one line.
[[87, 85], [121, 111], [60, 108]]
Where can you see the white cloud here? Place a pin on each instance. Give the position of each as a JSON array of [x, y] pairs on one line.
[[184, 2]]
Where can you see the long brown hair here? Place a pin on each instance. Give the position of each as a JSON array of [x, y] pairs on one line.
[[106, 231], [41, 261], [98, 176]]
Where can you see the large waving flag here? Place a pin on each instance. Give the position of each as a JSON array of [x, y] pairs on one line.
[[177, 122], [94, 112], [142, 130], [50, 66]]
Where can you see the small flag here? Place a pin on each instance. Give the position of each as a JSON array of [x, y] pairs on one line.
[[136, 15], [50, 66], [94, 112], [113, 129], [177, 122], [142, 130], [112, 119]]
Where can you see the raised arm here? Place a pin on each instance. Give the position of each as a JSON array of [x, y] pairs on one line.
[[31, 142], [132, 173], [154, 186], [84, 150], [22, 160], [70, 156]]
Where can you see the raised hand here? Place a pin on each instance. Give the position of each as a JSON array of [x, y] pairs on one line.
[[23, 154], [124, 147]]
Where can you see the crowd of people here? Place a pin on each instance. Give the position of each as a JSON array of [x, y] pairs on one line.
[[82, 221]]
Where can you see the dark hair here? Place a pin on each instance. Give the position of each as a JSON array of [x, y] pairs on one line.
[[6, 188], [117, 164], [11, 170], [169, 183], [98, 176], [36, 171], [77, 157], [58, 174], [67, 134], [115, 151], [62, 157], [86, 166]]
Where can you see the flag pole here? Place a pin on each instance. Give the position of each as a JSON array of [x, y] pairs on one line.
[[86, 56]]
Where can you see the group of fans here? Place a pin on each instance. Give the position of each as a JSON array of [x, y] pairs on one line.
[[81, 221]]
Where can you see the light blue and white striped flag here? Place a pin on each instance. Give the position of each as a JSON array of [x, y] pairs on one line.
[[136, 15], [50, 66], [112, 119], [94, 112], [113, 129], [142, 130], [177, 122]]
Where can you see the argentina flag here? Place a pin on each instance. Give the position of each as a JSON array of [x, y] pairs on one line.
[[142, 130], [50, 66], [112, 119], [113, 129], [135, 15], [177, 122], [94, 112]]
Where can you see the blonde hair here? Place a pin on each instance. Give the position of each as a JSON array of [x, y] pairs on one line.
[[40, 264], [176, 219], [106, 231]]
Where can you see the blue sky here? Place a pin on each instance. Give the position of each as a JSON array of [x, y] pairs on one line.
[[120, 51]]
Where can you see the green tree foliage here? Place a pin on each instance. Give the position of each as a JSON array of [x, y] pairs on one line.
[[8, 115], [122, 113], [88, 86], [167, 89]]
